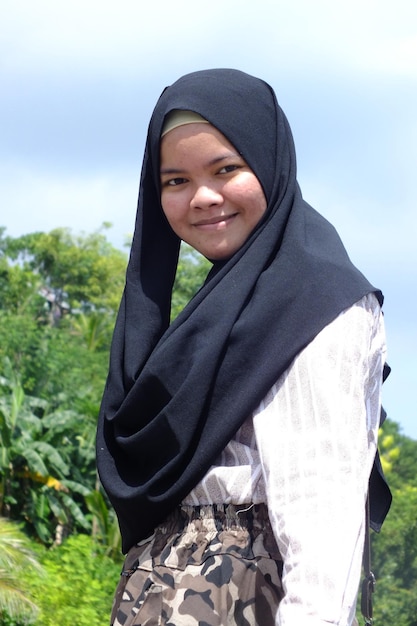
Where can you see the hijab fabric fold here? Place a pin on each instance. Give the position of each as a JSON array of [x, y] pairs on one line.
[[176, 394]]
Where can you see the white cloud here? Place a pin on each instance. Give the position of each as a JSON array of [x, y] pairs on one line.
[[357, 35], [33, 201]]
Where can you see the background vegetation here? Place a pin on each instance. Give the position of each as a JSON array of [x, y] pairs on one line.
[[59, 543]]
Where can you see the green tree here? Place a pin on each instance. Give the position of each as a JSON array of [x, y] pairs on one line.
[[394, 550], [83, 271], [16, 558], [59, 295], [34, 470], [191, 273], [398, 455], [105, 525], [394, 555]]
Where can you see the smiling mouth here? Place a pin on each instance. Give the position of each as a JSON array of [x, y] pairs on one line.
[[215, 222]]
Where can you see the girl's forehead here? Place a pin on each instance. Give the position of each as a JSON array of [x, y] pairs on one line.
[[198, 141]]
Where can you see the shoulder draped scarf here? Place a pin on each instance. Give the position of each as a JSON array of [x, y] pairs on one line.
[[176, 394]]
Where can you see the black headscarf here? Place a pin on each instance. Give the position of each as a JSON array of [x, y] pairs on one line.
[[176, 394]]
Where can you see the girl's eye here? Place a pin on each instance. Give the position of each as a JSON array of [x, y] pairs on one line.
[[228, 168], [173, 182]]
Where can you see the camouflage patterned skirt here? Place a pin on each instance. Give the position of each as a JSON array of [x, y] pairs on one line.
[[206, 566]]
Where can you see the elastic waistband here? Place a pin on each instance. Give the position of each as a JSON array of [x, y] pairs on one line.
[[217, 517]]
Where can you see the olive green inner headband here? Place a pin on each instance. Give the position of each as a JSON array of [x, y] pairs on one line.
[[178, 117]]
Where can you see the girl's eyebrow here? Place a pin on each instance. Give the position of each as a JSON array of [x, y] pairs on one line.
[[170, 170], [222, 157]]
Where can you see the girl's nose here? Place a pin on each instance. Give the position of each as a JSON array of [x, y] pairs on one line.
[[205, 197]]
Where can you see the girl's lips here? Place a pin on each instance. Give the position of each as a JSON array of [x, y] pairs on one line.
[[215, 222]]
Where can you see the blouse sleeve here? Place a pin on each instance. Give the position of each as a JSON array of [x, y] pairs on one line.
[[316, 432]]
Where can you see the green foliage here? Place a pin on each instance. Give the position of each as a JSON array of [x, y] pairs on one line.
[[34, 469], [16, 559], [78, 585], [85, 270], [398, 455], [59, 295], [191, 272], [394, 550], [106, 526], [394, 554]]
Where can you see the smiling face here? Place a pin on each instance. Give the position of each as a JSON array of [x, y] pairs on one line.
[[210, 197]]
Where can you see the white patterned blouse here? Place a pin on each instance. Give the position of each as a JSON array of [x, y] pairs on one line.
[[307, 451]]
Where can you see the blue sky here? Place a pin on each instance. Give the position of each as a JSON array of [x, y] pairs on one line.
[[79, 80]]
